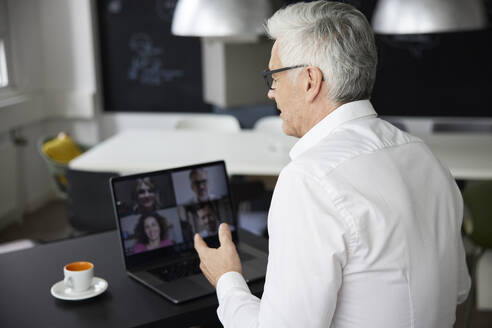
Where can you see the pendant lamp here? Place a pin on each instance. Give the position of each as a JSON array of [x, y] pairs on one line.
[[220, 18], [428, 16]]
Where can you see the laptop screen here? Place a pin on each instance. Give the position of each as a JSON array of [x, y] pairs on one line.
[[158, 213]]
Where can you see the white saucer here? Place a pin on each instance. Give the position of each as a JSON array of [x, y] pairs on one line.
[[60, 291]]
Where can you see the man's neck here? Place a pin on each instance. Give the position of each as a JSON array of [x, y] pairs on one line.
[[317, 112]]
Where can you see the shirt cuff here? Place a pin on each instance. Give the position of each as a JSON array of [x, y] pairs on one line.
[[229, 281]]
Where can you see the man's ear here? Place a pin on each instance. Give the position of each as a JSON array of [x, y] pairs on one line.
[[314, 83]]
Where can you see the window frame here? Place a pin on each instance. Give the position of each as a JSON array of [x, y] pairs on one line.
[[6, 55], [4, 69], [9, 94]]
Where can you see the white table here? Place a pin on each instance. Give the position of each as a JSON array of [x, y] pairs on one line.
[[133, 151], [468, 156]]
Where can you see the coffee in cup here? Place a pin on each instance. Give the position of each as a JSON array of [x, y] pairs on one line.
[[78, 275]]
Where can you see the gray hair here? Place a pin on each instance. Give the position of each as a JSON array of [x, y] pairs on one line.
[[333, 36]]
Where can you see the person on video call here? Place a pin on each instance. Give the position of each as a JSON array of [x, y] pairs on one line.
[[207, 219], [364, 223], [146, 196], [151, 232], [199, 186], [186, 229]]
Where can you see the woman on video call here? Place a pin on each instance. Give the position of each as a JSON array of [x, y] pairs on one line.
[[146, 196], [151, 232]]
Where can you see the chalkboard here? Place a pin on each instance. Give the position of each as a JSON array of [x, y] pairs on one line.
[[434, 74], [144, 67]]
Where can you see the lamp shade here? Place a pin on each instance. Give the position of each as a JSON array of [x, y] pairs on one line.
[[220, 18], [428, 16]]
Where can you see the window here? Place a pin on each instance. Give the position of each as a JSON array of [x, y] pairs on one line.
[[4, 78], [4, 45]]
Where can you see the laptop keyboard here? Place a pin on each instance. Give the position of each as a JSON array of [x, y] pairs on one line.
[[182, 269], [177, 270]]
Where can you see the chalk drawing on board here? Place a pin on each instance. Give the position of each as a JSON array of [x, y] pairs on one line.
[[114, 6], [146, 63], [415, 44], [165, 9]]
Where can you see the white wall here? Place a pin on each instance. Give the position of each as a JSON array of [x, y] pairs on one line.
[[69, 67], [54, 85], [27, 43], [24, 102], [22, 105], [9, 188]]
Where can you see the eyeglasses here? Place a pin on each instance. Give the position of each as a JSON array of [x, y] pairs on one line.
[[267, 74], [199, 182]]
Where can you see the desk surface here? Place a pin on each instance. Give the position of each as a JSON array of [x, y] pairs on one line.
[[27, 276], [468, 156], [133, 151]]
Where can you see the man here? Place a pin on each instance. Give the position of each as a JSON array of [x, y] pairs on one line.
[[199, 186], [207, 219], [364, 222]]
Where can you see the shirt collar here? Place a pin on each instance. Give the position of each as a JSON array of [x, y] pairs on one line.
[[347, 112]]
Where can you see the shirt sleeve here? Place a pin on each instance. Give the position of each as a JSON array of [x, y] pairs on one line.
[[464, 278], [307, 251], [464, 281]]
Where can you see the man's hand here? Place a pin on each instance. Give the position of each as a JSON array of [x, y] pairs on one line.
[[215, 262]]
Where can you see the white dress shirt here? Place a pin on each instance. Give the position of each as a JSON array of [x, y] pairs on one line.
[[364, 231]]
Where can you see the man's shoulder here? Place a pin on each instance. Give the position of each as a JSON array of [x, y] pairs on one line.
[[356, 138], [349, 143]]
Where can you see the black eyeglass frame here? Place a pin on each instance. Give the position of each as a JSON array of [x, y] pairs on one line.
[[267, 74]]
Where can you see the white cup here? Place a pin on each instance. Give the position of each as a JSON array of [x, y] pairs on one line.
[[78, 275]]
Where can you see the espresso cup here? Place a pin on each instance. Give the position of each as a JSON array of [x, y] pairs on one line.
[[78, 275]]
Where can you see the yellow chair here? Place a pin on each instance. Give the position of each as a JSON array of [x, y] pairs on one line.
[[57, 152]]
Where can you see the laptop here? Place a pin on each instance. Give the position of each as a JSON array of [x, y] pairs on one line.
[[158, 213]]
